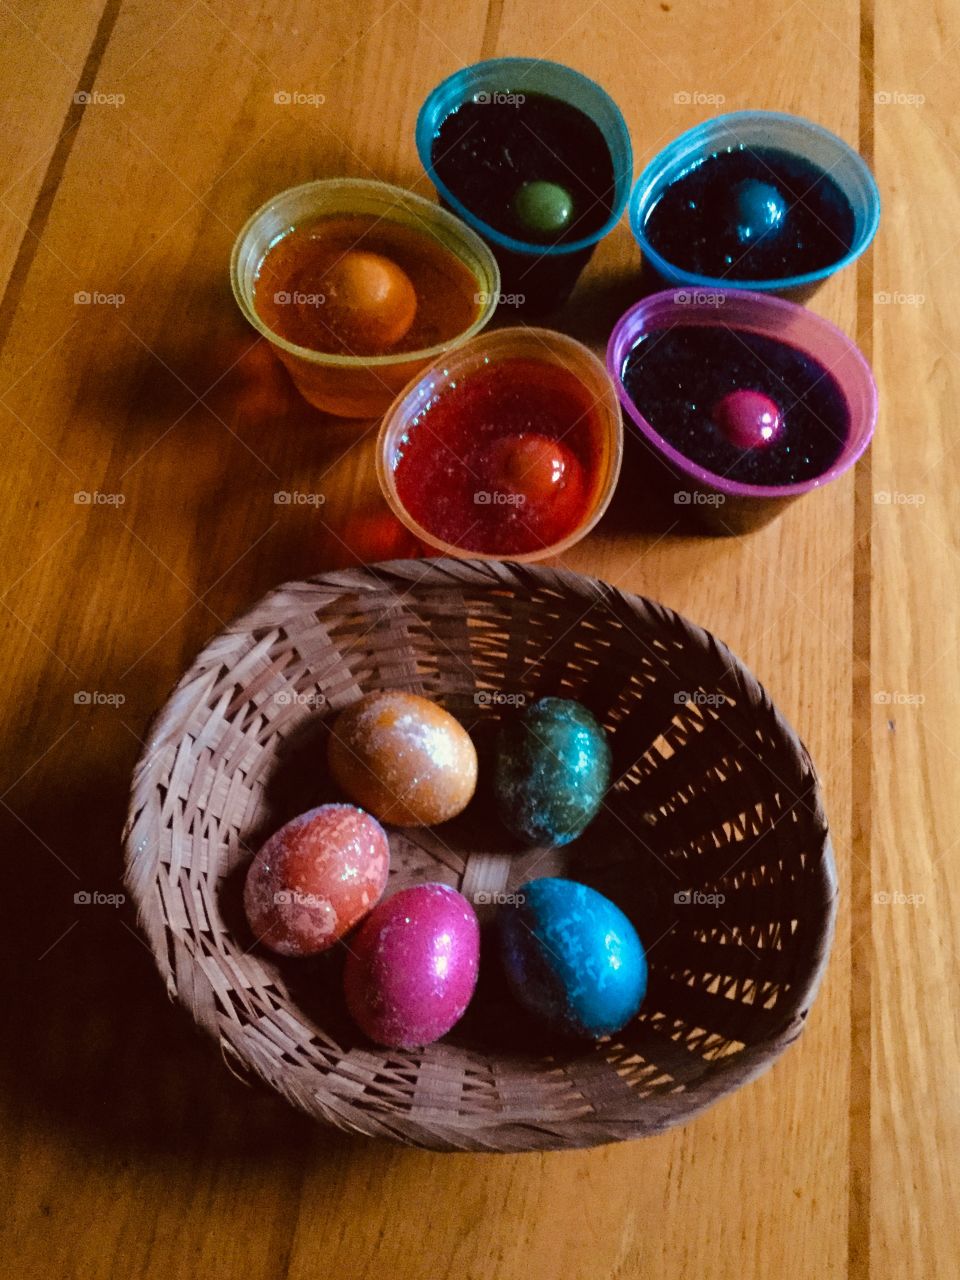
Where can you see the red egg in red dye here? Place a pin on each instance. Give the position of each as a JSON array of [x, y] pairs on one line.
[[505, 460], [537, 470], [315, 878], [412, 966]]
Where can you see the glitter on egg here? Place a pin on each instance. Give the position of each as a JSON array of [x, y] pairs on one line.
[[572, 958], [551, 771], [404, 758], [315, 878], [412, 966]]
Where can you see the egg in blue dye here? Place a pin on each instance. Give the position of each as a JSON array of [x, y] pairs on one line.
[[573, 958], [760, 209], [552, 771]]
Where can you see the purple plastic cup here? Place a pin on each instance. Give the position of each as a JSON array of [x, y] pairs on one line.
[[721, 505]]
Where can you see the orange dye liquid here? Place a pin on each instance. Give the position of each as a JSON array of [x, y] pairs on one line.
[[299, 291]]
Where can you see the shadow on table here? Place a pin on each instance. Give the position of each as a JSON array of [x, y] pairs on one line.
[[96, 1053]]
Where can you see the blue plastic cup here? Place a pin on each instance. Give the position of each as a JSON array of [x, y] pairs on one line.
[[760, 129], [538, 278]]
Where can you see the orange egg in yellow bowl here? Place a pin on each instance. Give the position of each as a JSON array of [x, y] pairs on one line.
[[369, 296]]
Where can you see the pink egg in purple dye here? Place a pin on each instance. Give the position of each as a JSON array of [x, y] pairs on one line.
[[412, 966], [748, 419], [315, 878]]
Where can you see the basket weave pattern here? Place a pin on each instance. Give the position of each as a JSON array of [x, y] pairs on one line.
[[713, 839]]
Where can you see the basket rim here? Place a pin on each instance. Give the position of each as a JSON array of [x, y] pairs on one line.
[[573, 1132]]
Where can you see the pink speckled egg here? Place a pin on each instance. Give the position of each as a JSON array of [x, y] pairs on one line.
[[315, 878], [412, 966]]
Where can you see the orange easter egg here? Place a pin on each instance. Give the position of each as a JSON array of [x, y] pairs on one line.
[[403, 758], [369, 299]]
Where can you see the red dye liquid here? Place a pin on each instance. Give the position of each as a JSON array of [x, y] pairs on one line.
[[506, 461]]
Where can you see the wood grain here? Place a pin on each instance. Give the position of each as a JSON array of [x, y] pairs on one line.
[[48, 65], [915, 469], [134, 1152]]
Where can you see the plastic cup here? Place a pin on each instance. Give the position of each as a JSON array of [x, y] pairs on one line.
[[760, 129], [542, 275], [718, 504], [356, 386], [543, 345]]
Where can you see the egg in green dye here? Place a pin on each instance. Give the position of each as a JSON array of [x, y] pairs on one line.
[[551, 772]]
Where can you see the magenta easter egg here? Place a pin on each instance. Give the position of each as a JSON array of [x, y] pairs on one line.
[[412, 966], [315, 878], [749, 419]]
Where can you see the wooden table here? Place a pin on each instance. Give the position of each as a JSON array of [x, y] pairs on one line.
[[131, 1150]]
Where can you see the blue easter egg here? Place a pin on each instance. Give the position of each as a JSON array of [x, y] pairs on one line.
[[760, 209], [573, 958]]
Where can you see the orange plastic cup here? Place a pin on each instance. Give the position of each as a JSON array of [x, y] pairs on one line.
[[544, 345], [356, 386]]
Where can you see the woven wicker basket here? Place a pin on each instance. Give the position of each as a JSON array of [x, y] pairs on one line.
[[715, 795]]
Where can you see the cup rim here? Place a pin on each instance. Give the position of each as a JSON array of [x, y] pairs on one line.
[[529, 248], [702, 475], [498, 338], [455, 225], [680, 275]]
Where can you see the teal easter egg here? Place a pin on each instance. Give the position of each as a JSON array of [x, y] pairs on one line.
[[551, 772], [760, 210], [573, 958]]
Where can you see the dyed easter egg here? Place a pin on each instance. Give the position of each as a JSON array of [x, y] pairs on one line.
[[760, 209], [315, 878], [542, 475], [404, 758], [748, 419], [368, 297], [545, 207], [412, 966], [551, 772], [573, 958]]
